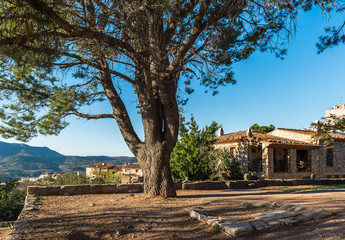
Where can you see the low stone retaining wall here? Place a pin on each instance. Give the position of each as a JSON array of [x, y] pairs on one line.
[[202, 185], [84, 189], [245, 184], [205, 185], [20, 227]]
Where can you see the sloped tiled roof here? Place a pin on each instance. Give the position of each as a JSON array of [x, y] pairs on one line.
[[241, 136], [132, 166], [118, 168], [311, 133], [101, 165]]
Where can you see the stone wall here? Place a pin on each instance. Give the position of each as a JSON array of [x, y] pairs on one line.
[[246, 184], [338, 169], [84, 189], [339, 112]]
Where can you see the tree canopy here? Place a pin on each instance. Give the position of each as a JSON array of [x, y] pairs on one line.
[[334, 35], [191, 156], [262, 129], [194, 156], [156, 47]]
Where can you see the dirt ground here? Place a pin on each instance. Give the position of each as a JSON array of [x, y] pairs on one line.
[[135, 216], [4, 232]]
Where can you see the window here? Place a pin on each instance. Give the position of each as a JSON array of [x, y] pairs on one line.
[[303, 161], [329, 157], [232, 151]]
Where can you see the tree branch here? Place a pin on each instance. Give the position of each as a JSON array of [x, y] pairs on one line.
[[81, 59], [91, 116], [82, 32]]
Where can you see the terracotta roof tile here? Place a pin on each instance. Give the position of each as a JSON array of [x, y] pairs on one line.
[[118, 167], [309, 132], [241, 136], [132, 166], [100, 165]]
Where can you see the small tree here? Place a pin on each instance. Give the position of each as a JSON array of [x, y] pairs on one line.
[[327, 127], [11, 201], [190, 157], [195, 157], [224, 165], [262, 129]]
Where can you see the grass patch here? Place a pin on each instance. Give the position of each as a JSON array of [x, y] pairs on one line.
[[216, 227], [318, 188]]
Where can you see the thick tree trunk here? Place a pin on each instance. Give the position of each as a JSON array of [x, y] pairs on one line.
[[156, 169]]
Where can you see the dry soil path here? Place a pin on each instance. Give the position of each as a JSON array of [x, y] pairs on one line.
[[134, 216]]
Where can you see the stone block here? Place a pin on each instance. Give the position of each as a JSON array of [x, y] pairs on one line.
[[298, 209], [274, 223], [81, 189], [228, 219], [128, 188], [200, 215], [31, 190], [204, 185], [288, 221], [109, 188], [67, 190], [238, 184], [261, 204], [317, 214], [51, 191], [188, 186], [137, 188], [275, 215], [212, 221], [194, 214], [97, 188], [259, 225], [178, 185], [38, 191], [237, 229]]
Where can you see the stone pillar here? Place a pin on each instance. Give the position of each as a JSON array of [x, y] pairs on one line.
[[243, 156], [264, 162], [292, 160], [317, 158], [267, 165]]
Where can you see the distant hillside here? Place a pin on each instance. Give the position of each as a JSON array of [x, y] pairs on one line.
[[21, 160]]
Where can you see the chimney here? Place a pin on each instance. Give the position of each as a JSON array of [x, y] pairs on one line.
[[249, 132], [220, 132]]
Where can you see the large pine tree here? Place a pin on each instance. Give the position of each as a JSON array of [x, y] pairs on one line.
[[151, 45]]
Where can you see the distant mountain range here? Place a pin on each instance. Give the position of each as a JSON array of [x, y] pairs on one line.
[[21, 160]]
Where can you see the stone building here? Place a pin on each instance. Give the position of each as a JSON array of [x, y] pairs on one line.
[[285, 154], [132, 173], [336, 110], [95, 170]]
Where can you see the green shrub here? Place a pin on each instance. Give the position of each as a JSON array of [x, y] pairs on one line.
[[98, 181], [48, 179], [72, 178], [11, 201]]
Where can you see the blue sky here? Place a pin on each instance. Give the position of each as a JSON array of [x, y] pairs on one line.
[[289, 93]]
